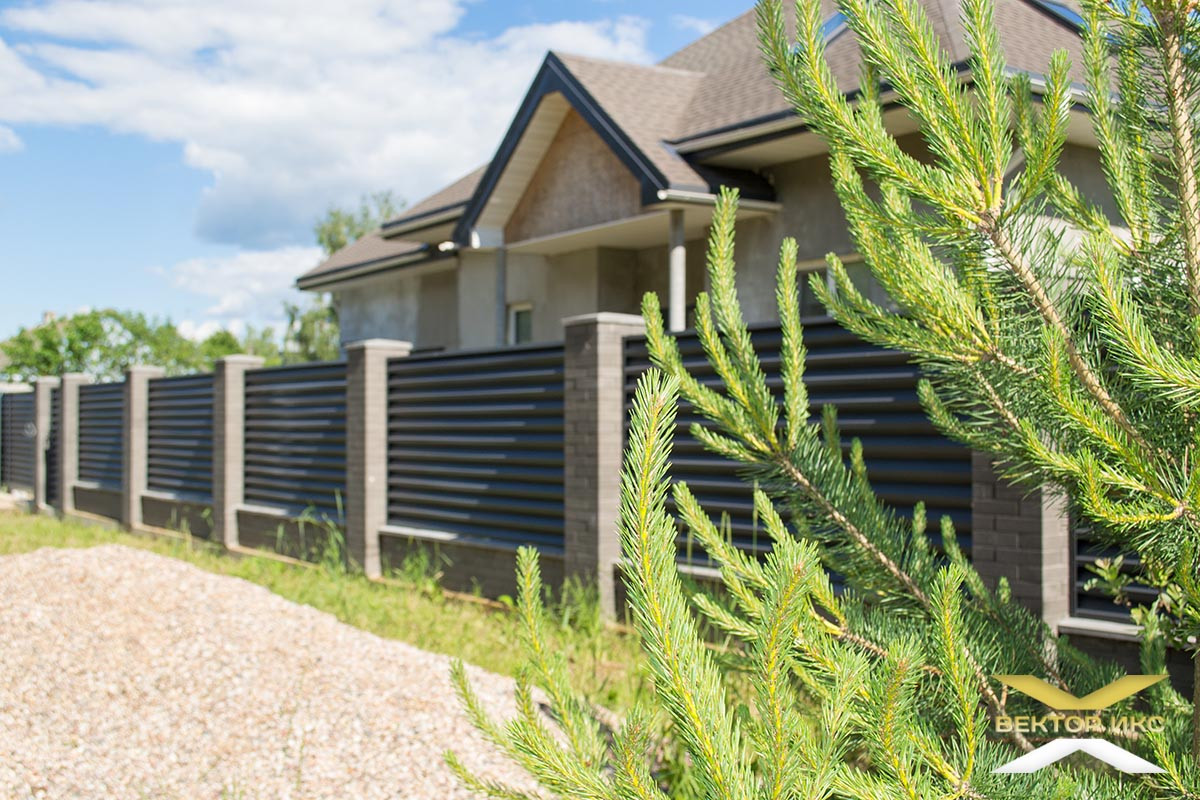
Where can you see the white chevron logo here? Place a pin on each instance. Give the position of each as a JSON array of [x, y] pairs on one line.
[[1098, 749]]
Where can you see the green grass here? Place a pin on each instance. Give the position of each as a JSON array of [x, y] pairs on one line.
[[605, 663]]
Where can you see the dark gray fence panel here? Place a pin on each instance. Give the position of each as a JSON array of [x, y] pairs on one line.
[[874, 391], [475, 444], [296, 437], [53, 483], [179, 457], [101, 441], [17, 447]]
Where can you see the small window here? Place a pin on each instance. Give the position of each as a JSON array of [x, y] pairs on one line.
[[520, 323]]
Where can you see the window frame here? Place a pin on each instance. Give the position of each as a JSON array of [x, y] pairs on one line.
[[510, 326]]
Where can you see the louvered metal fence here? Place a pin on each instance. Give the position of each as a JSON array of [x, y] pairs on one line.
[[17, 442], [296, 437], [475, 444], [101, 444], [53, 482], [179, 458], [874, 391]]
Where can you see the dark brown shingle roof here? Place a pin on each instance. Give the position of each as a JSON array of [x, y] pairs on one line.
[[370, 249], [374, 248], [456, 193], [737, 88]]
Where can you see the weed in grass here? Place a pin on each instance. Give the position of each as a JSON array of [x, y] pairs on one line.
[[422, 566]]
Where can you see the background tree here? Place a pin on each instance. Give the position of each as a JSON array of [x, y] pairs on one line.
[[103, 343], [312, 332], [342, 226], [262, 342]]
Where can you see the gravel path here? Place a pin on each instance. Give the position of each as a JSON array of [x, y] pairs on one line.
[[124, 674]]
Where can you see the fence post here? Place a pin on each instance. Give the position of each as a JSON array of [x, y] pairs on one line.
[[1024, 536], [68, 439], [366, 447], [593, 417], [135, 432], [42, 389], [229, 438]]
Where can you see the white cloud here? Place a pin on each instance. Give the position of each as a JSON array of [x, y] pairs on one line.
[[249, 286], [289, 104], [9, 141], [696, 25]]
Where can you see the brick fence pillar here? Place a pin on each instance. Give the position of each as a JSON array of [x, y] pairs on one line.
[[366, 447], [594, 385], [68, 439], [1025, 536], [42, 409], [136, 434], [229, 437]]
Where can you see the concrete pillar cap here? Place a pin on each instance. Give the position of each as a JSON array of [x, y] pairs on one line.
[[605, 318], [397, 345]]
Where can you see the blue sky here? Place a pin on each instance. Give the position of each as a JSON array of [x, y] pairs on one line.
[[170, 156]]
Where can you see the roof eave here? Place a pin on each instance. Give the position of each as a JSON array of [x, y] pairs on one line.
[[367, 268], [785, 123], [419, 222]]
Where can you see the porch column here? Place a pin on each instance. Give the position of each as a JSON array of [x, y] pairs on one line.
[[677, 294], [501, 296], [42, 389]]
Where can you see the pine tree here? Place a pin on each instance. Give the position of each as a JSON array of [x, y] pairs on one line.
[[883, 690], [1076, 364], [1069, 351]]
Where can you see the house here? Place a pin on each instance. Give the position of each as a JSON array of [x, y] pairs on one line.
[[603, 187]]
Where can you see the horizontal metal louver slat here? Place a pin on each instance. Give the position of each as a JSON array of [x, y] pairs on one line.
[[295, 437], [874, 391], [18, 443], [475, 444], [101, 440], [179, 444]]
